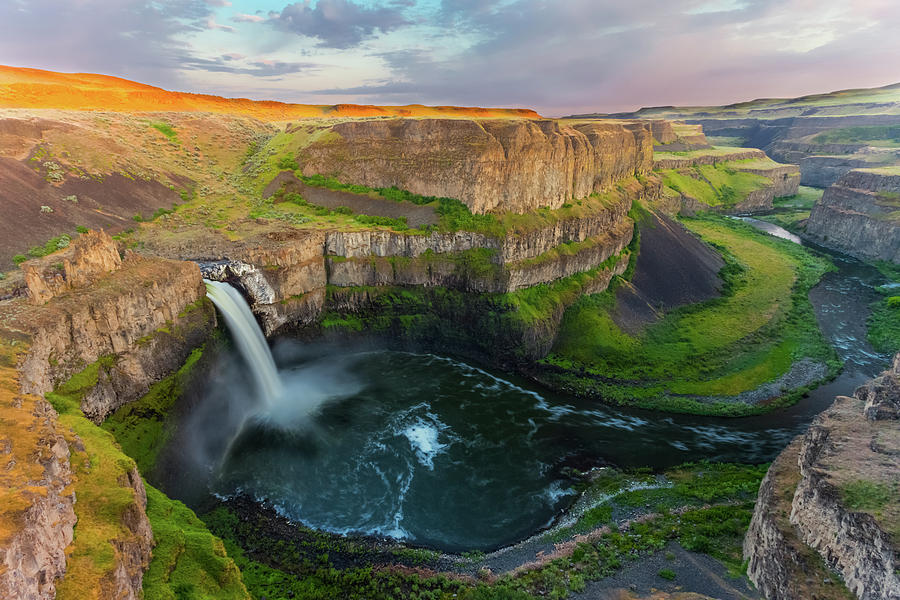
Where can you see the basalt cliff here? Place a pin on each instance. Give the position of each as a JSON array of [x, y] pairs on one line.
[[860, 215], [514, 166], [829, 502]]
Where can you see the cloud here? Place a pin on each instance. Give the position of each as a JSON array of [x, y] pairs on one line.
[[138, 39], [339, 24], [245, 18], [211, 24], [237, 64]]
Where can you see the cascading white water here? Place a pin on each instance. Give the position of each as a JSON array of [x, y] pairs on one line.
[[249, 338]]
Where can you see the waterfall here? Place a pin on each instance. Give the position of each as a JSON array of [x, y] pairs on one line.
[[249, 338]]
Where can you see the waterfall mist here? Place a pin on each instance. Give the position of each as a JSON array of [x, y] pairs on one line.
[[247, 392]]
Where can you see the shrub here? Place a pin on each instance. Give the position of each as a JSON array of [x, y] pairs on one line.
[[667, 574], [81, 229], [137, 218], [166, 129], [19, 259], [288, 163]]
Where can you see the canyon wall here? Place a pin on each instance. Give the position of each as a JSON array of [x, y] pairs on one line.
[[127, 323], [860, 215], [830, 501], [491, 166], [783, 180], [37, 514], [285, 274], [791, 140]]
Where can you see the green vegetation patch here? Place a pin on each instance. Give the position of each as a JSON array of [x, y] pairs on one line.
[[805, 198], [102, 499], [456, 216], [165, 129], [688, 485], [868, 496], [884, 320], [883, 135], [720, 185], [751, 335], [188, 561], [141, 428]]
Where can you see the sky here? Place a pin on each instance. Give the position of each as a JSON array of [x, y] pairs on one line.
[[556, 56]]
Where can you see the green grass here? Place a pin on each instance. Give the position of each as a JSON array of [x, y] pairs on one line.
[[789, 220], [720, 185], [804, 199], [166, 129], [885, 135], [867, 496], [102, 499], [690, 484], [884, 325], [667, 574], [722, 347], [188, 561], [453, 214]]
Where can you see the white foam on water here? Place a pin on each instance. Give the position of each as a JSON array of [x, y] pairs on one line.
[[556, 492], [424, 439]]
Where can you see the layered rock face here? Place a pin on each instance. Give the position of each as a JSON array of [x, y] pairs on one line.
[[784, 180], [285, 274], [36, 502], [859, 215], [707, 159], [514, 166], [833, 494], [90, 256], [133, 314]]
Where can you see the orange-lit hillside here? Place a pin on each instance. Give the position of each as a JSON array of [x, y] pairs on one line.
[[34, 88]]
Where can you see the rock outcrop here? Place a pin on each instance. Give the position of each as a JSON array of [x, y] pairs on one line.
[[490, 165], [860, 215], [85, 259], [139, 315], [285, 273], [710, 158], [832, 497]]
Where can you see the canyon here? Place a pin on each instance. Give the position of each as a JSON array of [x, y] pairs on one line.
[[545, 249]]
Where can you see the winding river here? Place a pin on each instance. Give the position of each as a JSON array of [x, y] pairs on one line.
[[440, 453]]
